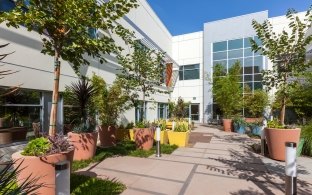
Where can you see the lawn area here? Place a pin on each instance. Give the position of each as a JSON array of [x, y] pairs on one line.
[[84, 185], [124, 148]]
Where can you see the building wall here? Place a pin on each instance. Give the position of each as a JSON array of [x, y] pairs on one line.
[[188, 49], [223, 30], [35, 70]]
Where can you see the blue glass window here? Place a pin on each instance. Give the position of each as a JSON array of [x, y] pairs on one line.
[[235, 44], [6, 5], [189, 72], [236, 53], [220, 55], [248, 52], [232, 62], [219, 46], [247, 42]]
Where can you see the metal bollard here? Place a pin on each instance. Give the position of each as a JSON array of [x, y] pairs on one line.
[[291, 168], [158, 150], [263, 143], [62, 178]]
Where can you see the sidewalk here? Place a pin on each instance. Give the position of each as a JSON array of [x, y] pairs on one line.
[[225, 165]]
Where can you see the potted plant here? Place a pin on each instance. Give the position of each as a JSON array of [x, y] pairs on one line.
[[256, 127], [239, 125], [38, 160], [287, 52], [227, 92], [83, 135], [144, 135], [180, 135], [108, 103]]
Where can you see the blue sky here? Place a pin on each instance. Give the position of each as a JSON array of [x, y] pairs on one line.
[[185, 16]]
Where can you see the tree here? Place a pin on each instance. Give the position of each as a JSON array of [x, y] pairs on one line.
[[227, 90], [287, 52], [255, 102], [65, 26], [142, 71]]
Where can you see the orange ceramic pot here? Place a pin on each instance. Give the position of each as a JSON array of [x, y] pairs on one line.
[[227, 125], [84, 144], [107, 135], [40, 168], [276, 139], [144, 138]]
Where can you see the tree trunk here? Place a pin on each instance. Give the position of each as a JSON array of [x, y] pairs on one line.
[[283, 110], [55, 95], [143, 113]]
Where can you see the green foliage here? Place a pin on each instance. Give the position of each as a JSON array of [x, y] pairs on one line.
[[162, 123], [275, 124], [109, 103], [239, 121], [85, 127], [255, 103], [306, 134], [85, 185], [130, 125], [124, 148], [141, 72], [181, 127], [179, 109], [227, 90], [142, 124], [37, 147], [287, 52]]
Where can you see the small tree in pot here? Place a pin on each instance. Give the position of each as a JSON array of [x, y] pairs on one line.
[[227, 92], [287, 52], [83, 135], [108, 103]]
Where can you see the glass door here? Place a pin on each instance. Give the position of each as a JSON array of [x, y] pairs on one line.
[[194, 112]]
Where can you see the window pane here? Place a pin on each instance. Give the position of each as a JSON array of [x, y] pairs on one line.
[[220, 55], [248, 52], [232, 62], [220, 46], [181, 75], [236, 53], [258, 77], [248, 70], [257, 85], [248, 77], [258, 41], [248, 62], [191, 67], [247, 42], [22, 97], [235, 44], [222, 62], [191, 74], [258, 63], [249, 84]]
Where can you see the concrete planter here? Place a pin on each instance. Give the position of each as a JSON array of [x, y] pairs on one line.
[[227, 125], [144, 138], [178, 138], [84, 144], [276, 139], [41, 168], [107, 135]]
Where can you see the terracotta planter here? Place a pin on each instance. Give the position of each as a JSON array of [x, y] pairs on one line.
[[5, 137], [107, 135], [227, 125], [144, 138], [84, 144], [41, 168], [276, 139]]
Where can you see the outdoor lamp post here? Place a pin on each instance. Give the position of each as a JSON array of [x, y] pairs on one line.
[[291, 168], [158, 152]]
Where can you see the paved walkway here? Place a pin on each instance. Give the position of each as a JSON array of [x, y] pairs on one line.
[[226, 165]]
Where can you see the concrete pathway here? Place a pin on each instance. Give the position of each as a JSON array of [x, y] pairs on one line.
[[226, 165]]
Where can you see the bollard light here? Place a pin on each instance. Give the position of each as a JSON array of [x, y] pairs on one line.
[[291, 168], [62, 178], [263, 143], [158, 152]]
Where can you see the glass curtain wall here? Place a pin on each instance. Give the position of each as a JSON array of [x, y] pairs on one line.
[[228, 52]]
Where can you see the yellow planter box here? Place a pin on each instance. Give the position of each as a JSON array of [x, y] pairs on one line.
[[168, 125], [122, 134], [178, 138], [131, 133], [163, 137]]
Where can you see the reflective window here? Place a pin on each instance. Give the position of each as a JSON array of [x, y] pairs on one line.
[[258, 62], [247, 42], [258, 85], [162, 111], [220, 46], [248, 70], [257, 40], [236, 53], [139, 112], [248, 52], [189, 72], [249, 84], [220, 55], [6, 5], [248, 78], [233, 61], [248, 62], [235, 44], [258, 77], [222, 62]]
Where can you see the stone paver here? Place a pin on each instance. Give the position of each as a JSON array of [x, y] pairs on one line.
[[222, 164]]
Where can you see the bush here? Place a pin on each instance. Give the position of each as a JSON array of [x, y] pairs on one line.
[[306, 133], [37, 147]]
